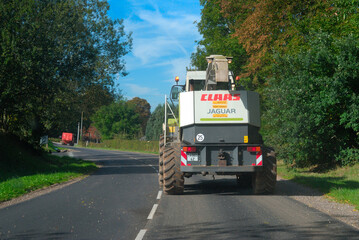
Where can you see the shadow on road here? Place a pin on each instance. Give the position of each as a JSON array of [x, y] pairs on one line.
[[230, 187], [33, 235], [218, 186], [117, 162]]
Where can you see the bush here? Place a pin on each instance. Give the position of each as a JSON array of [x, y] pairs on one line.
[[349, 156], [127, 145], [313, 102], [117, 118]]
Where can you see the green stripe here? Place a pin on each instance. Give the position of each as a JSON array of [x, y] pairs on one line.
[[220, 119]]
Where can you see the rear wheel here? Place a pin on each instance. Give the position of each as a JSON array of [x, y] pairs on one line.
[[173, 180], [264, 181], [160, 161]]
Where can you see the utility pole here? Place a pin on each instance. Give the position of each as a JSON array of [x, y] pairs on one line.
[[82, 117], [78, 132]]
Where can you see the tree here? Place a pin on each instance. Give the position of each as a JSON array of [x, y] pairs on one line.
[[297, 76], [265, 27], [53, 53], [70, 108], [314, 102], [142, 108], [217, 38], [154, 124], [118, 118], [92, 134]]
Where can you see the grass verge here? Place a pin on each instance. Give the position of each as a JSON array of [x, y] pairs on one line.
[[126, 145], [340, 184], [22, 169], [48, 170], [52, 148]]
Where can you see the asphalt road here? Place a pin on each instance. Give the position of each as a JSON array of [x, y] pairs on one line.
[[113, 203], [122, 201]]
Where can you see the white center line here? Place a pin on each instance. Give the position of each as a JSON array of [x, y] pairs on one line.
[[141, 234], [159, 195], [154, 208]]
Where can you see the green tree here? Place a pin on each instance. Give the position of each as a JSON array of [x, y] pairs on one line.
[[217, 38], [154, 124], [70, 108], [53, 54], [143, 109], [118, 118], [314, 101], [283, 26]]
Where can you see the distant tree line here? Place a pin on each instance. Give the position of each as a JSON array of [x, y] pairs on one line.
[[123, 119], [302, 56], [154, 124]]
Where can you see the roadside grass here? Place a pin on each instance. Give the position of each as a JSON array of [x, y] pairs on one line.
[[126, 145], [52, 148], [52, 139], [22, 169], [340, 184]]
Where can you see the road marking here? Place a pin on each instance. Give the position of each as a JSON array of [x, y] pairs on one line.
[[159, 195], [152, 213], [141, 234]]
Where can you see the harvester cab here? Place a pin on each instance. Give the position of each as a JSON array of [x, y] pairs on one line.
[[218, 77]]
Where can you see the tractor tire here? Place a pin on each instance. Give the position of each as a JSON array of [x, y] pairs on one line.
[[264, 182], [160, 161], [173, 180]]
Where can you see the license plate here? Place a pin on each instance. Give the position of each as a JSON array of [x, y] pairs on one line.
[[191, 157]]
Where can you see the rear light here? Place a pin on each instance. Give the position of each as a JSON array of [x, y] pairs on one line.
[[189, 149], [253, 149]]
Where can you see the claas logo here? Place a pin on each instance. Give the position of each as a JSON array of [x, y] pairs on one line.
[[220, 97]]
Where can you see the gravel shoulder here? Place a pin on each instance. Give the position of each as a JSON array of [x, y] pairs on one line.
[[315, 199]]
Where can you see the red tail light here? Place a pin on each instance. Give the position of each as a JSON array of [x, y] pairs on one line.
[[189, 149], [253, 149]]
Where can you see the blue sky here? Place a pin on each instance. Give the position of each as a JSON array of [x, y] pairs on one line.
[[164, 37]]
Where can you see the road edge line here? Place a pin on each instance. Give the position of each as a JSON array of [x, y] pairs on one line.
[[153, 211], [141, 234]]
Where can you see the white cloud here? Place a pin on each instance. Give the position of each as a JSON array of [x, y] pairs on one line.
[[140, 90], [163, 40], [178, 68], [157, 35], [171, 24], [149, 50]]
